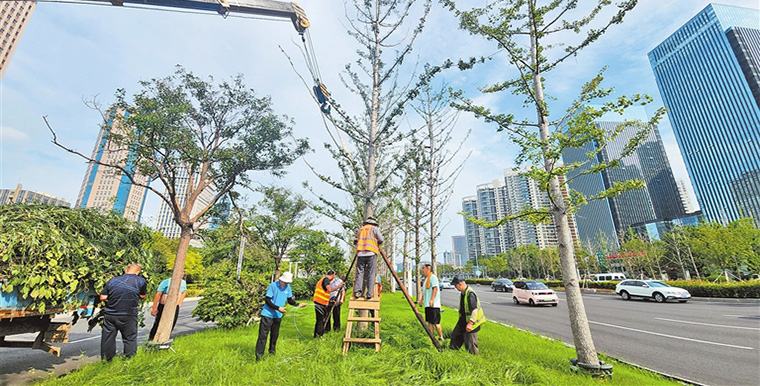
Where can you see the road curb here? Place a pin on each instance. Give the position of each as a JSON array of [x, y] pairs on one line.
[[666, 375]]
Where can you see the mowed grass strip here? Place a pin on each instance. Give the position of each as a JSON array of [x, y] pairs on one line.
[[407, 357]]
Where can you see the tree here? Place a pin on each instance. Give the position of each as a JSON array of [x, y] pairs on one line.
[[730, 247], [315, 253], [168, 250], [368, 167], [283, 218], [642, 255], [525, 32], [214, 135], [677, 249], [440, 120]]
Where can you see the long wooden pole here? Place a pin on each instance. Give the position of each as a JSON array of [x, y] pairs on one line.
[[411, 303], [329, 312]]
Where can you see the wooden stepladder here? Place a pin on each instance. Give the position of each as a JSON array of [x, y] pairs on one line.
[[355, 305]]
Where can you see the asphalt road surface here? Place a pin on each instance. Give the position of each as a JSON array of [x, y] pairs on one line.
[[706, 342], [19, 366]]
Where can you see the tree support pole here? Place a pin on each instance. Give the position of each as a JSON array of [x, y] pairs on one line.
[[329, 312], [411, 303]]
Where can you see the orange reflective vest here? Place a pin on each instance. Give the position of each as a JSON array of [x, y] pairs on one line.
[[320, 295], [366, 242]]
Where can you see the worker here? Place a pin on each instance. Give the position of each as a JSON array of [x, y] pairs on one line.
[[277, 294], [160, 299], [122, 295], [431, 300], [337, 296], [368, 245], [322, 301], [470, 318]]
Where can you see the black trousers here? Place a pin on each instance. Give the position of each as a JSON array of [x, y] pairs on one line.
[[335, 316], [158, 320], [319, 326], [271, 327], [460, 336], [113, 324]]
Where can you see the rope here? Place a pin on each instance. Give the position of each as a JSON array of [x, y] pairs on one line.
[[294, 319]]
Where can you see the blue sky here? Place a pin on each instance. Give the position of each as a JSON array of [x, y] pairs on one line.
[[72, 52]]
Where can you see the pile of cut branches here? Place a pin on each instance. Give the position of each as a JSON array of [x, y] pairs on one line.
[[51, 253]]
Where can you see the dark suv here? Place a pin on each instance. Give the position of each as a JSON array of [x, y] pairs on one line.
[[504, 285]]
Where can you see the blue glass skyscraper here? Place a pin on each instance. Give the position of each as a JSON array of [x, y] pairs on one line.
[[613, 216], [106, 188], [708, 73]]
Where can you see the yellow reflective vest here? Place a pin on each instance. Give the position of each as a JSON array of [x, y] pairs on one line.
[[480, 318], [366, 241]]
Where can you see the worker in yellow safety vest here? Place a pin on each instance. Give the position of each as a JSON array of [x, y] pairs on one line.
[[322, 300], [470, 318], [368, 243]]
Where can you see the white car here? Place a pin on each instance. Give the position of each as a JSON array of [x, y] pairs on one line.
[[651, 289], [446, 284]]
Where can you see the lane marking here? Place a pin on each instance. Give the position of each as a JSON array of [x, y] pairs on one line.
[[84, 339], [708, 324], [670, 336], [744, 316]]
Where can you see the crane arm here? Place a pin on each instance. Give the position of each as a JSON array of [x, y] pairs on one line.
[[270, 8]]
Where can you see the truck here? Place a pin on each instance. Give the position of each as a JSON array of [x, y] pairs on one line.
[[17, 317]]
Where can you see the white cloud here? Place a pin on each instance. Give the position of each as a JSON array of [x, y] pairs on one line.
[[11, 134]]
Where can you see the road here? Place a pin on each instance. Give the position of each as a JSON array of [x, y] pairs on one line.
[[706, 342], [22, 366]]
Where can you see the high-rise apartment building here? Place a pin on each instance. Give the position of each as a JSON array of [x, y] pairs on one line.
[[459, 250], [21, 196], [649, 163], [106, 188], [502, 198], [686, 200], [708, 73], [448, 258], [14, 16], [472, 231], [165, 219]]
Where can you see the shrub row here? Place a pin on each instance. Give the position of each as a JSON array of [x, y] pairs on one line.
[[742, 289]]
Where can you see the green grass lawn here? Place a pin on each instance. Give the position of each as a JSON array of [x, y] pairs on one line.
[[407, 357]]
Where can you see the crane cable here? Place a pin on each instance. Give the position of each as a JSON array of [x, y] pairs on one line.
[[323, 97]]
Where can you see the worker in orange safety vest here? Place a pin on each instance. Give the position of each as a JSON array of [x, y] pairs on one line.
[[368, 245], [322, 300]]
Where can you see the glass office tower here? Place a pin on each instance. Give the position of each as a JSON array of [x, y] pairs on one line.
[[708, 73], [649, 163]]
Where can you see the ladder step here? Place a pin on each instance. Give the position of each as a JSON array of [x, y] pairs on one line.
[[364, 304], [363, 319], [361, 340]]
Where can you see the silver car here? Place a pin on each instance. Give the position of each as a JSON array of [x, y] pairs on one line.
[[651, 289]]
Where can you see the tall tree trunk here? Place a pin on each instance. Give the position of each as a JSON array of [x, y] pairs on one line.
[[431, 186], [584, 343], [170, 307], [417, 241]]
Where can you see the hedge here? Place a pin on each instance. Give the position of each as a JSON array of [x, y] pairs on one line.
[[743, 289]]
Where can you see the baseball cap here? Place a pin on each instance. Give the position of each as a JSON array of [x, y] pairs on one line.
[[457, 279], [286, 277]]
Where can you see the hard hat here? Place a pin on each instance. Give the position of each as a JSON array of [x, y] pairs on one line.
[[370, 220]]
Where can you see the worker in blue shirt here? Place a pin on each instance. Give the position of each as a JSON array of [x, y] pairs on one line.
[[278, 293]]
